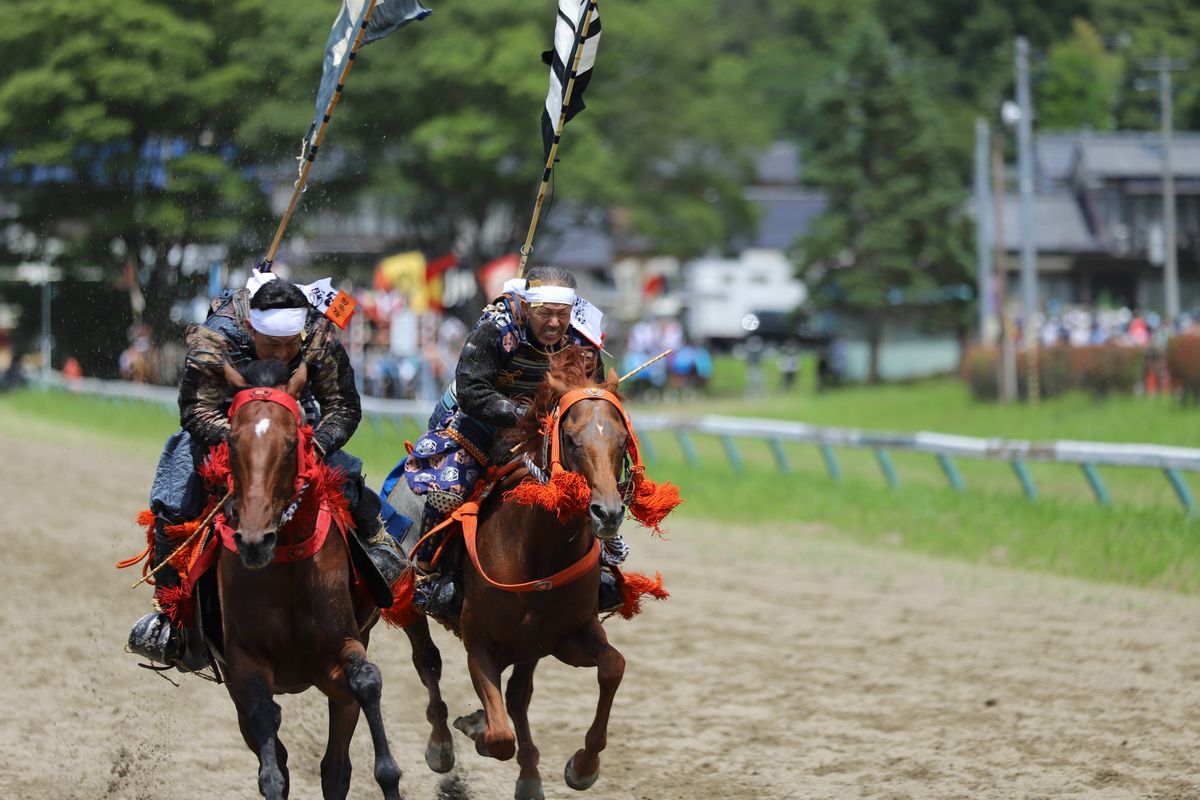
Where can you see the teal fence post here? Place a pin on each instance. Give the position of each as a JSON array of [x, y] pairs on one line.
[[689, 449], [831, 462], [1026, 480], [731, 452], [889, 470], [781, 459], [376, 427], [952, 474], [1097, 484], [1181, 490]]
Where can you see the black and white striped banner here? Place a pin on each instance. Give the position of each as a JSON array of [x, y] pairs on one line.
[[571, 14]]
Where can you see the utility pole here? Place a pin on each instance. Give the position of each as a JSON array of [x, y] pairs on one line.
[[1029, 292], [1007, 366], [1164, 67], [983, 231]]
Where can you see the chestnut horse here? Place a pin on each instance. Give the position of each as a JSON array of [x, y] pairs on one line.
[[290, 624], [512, 615]]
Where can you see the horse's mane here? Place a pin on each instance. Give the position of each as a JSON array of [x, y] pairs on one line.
[[573, 368], [269, 373]]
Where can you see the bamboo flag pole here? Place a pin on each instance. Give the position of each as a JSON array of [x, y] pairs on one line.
[[311, 151], [527, 248], [633, 372]]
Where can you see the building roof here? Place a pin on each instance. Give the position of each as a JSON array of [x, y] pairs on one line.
[[1098, 155], [785, 213], [778, 165], [1059, 225]]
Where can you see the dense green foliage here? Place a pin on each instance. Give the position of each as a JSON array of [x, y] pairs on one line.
[[169, 123], [1144, 539]]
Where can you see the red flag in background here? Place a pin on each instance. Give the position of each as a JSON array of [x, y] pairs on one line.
[[493, 274], [434, 270]]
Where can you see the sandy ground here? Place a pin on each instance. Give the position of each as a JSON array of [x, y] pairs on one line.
[[785, 665]]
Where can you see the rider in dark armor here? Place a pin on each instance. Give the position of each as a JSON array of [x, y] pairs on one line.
[[503, 360], [269, 319]]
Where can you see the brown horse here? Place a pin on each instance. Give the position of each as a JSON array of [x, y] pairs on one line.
[[518, 547], [290, 624]]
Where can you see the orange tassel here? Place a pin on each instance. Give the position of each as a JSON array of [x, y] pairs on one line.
[[633, 586], [653, 501], [402, 613], [567, 494]]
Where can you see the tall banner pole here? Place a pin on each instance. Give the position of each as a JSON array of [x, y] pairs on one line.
[[311, 151], [527, 248]]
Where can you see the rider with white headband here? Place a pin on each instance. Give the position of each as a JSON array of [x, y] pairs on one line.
[[268, 319], [503, 360]]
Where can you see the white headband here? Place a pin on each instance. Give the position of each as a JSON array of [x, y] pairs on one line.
[[281, 322], [564, 295]]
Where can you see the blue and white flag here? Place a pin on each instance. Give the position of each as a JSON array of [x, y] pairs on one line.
[[571, 14], [388, 16]]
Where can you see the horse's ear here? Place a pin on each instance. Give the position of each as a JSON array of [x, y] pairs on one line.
[[295, 384], [611, 380], [232, 377]]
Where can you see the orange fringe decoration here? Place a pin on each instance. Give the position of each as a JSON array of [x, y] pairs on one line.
[[567, 494], [652, 501], [176, 602], [402, 613], [633, 585]]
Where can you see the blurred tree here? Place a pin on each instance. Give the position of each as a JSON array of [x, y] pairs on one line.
[[115, 120], [1081, 83], [893, 237]]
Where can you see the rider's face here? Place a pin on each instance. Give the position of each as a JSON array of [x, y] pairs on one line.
[[283, 348], [548, 322]]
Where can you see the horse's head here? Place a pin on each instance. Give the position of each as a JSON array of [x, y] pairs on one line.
[[264, 454], [591, 439]]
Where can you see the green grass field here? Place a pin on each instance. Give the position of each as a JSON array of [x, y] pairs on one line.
[[1144, 539]]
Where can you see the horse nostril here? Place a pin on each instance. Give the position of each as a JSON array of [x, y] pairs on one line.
[[597, 511], [268, 541]]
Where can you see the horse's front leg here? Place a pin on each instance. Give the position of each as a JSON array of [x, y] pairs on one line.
[[366, 685], [488, 726], [587, 648], [335, 765], [517, 695], [439, 752], [258, 718]]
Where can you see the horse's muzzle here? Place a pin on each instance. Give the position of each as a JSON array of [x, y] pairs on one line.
[[606, 519], [256, 550]]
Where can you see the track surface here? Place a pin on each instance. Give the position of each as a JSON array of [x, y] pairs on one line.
[[785, 665]]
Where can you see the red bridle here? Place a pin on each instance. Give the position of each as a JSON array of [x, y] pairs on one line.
[[304, 455]]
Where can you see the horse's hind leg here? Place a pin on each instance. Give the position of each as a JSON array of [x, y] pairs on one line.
[[439, 752], [366, 684], [517, 695], [589, 648], [258, 718]]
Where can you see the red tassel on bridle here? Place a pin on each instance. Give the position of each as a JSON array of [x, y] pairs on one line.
[[652, 501]]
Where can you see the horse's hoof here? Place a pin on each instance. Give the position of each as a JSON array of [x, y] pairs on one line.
[[439, 756], [575, 780], [473, 725], [529, 789]]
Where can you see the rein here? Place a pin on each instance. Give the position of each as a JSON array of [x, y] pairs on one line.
[[551, 453]]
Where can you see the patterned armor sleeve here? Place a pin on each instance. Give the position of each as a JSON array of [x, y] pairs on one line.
[[202, 388], [475, 377], [331, 379]]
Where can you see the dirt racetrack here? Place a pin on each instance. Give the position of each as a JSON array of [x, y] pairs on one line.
[[785, 665]]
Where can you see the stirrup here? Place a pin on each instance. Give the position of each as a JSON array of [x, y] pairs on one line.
[[153, 637], [388, 561], [438, 595], [610, 593]]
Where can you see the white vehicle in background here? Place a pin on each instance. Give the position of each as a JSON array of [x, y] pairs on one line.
[[727, 299]]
